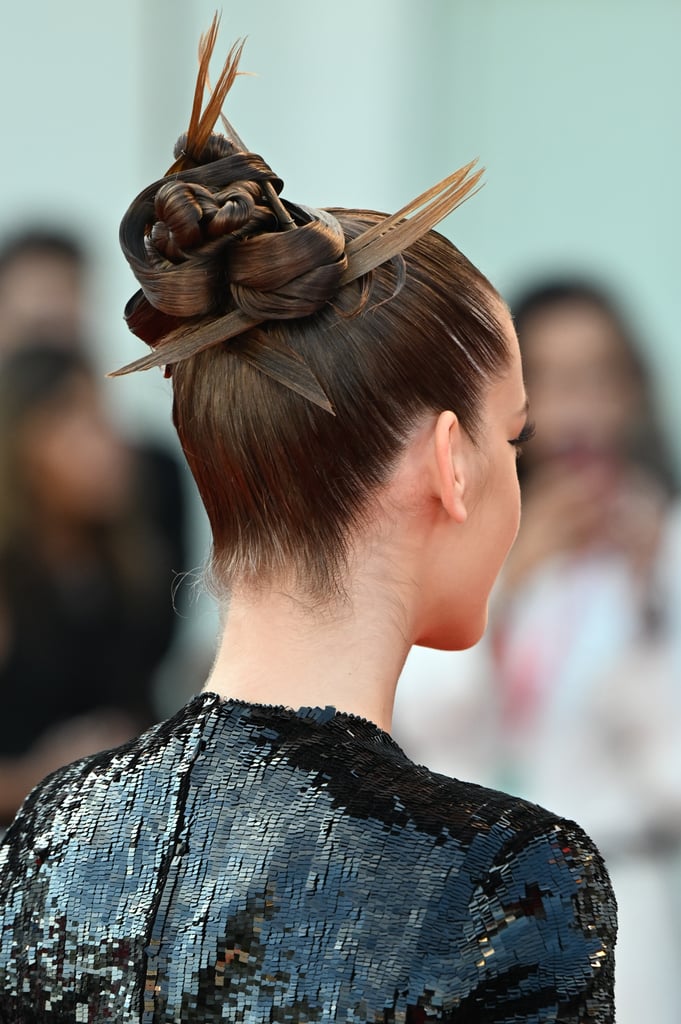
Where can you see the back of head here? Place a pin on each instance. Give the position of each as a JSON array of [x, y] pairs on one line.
[[301, 365]]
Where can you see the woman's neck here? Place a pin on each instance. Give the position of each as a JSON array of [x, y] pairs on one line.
[[275, 650]]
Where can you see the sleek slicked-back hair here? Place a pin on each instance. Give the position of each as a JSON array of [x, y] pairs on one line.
[[305, 346]]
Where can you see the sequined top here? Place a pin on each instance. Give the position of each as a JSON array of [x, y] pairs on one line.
[[249, 863]]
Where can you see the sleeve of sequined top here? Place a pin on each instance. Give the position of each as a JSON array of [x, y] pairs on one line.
[[542, 930]]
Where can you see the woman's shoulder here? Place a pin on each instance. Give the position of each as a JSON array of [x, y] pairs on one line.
[[516, 897], [523, 852], [474, 812], [86, 794], [349, 764], [540, 904], [512, 845]]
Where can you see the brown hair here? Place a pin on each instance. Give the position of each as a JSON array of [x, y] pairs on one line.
[[284, 482]]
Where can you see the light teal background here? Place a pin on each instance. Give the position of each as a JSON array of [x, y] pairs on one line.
[[573, 106]]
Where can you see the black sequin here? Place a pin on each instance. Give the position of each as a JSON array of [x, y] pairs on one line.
[[249, 863]]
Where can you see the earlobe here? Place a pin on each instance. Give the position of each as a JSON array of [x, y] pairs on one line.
[[450, 466]]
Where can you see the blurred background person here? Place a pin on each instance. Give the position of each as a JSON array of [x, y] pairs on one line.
[[46, 271], [45, 275], [592, 591], [43, 284], [86, 612], [575, 702]]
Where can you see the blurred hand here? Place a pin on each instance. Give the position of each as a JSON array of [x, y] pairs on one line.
[[571, 507], [563, 510]]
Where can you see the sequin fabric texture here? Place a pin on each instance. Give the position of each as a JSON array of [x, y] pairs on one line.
[[247, 863]]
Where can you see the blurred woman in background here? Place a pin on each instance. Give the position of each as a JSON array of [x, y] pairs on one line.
[[85, 578], [592, 586]]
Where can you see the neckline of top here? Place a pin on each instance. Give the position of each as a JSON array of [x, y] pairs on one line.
[[353, 724]]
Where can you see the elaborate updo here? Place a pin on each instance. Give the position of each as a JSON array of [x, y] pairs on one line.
[[300, 365]]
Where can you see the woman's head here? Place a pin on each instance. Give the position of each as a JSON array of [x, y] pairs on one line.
[[59, 457], [590, 390], [284, 482], [294, 425]]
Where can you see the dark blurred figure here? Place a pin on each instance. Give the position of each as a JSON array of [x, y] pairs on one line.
[[45, 277], [43, 281], [85, 574]]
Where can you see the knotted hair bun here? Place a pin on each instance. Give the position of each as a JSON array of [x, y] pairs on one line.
[[215, 148], [206, 241], [217, 252]]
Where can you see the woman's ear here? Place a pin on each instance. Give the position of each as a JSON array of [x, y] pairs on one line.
[[450, 466]]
